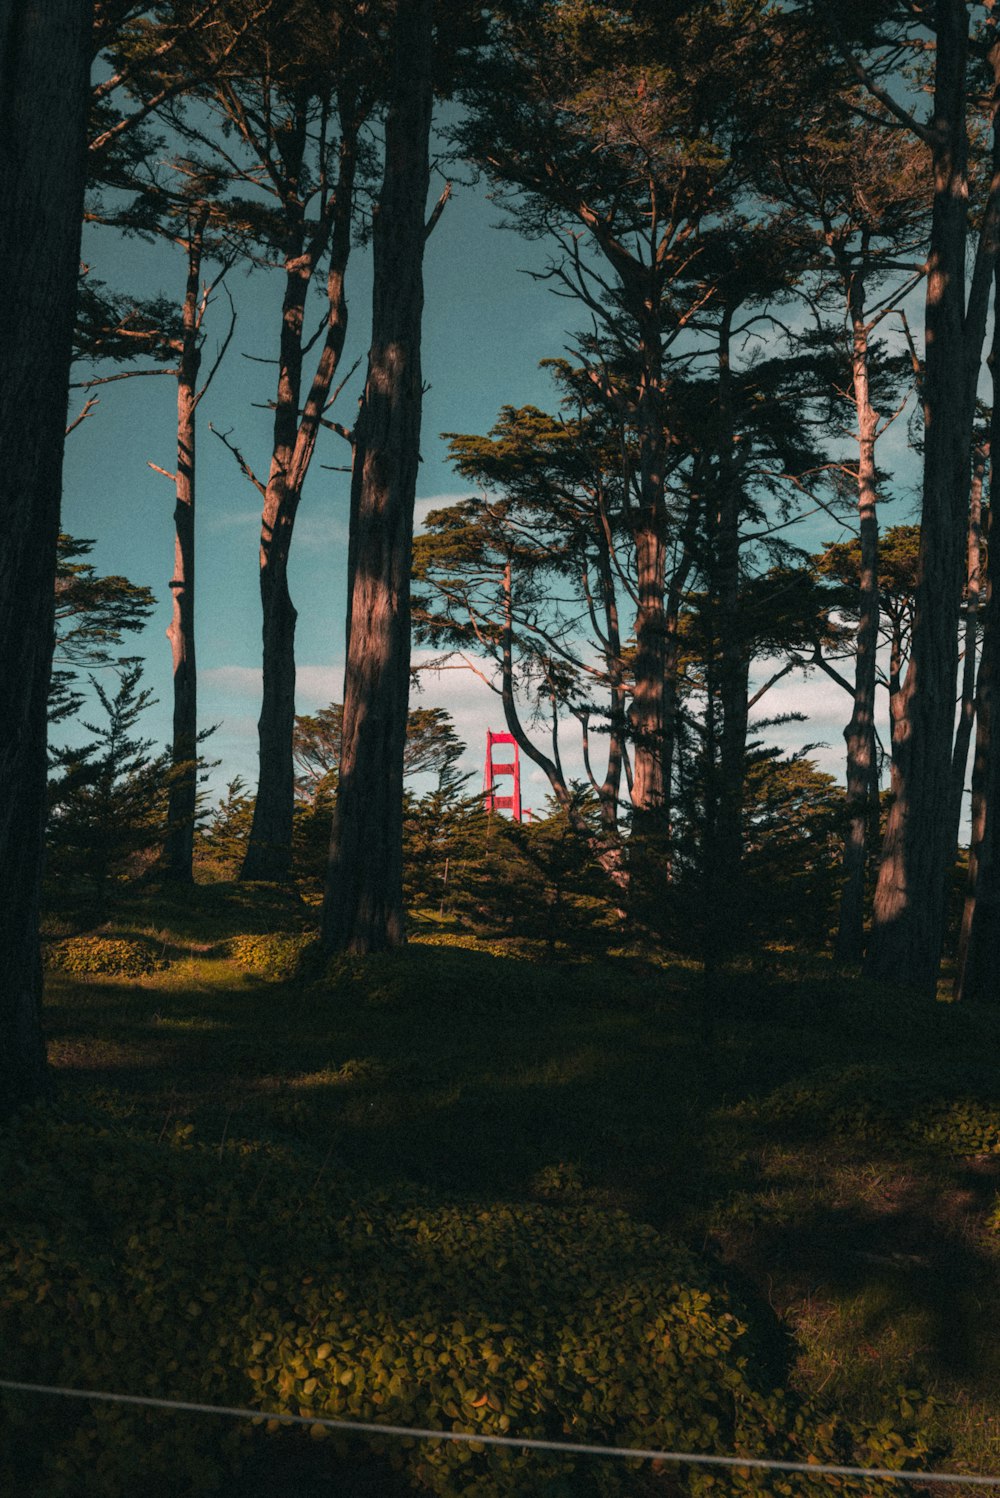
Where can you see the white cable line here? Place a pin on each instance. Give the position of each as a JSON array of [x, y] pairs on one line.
[[574, 1448]]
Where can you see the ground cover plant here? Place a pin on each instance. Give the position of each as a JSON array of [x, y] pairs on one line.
[[461, 1187]]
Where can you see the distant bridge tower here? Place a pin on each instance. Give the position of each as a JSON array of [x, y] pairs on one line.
[[496, 768]]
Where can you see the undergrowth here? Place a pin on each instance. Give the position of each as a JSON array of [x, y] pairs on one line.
[[258, 1156]]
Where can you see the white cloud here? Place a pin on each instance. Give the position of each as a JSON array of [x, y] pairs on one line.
[[231, 681], [318, 685], [234, 520], [826, 707], [423, 507], [320, 532]]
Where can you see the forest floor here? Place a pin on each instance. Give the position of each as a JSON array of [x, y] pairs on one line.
[[835, 1148]]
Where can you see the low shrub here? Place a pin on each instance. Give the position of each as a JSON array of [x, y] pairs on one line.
[[114, 956], [280, 955], [463, 975], [156, 1268], [867, 1103]]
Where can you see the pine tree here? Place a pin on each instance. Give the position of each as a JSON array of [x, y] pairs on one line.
[[108, 807]]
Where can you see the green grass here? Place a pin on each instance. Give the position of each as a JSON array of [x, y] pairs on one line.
[[835, 1149]]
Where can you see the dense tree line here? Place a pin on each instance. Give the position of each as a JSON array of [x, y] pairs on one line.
[[741, 204]]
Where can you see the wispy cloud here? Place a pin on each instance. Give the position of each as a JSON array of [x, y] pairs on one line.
[[323, 531], [232, 520], [318, 685], [314, 685], [423, 507], [231, 681], [826, 708]]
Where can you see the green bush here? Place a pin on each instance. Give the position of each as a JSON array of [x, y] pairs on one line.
[[446, 974], [872, 1104], [461, 941], [118, 957], [156, 1268], [278, 954]]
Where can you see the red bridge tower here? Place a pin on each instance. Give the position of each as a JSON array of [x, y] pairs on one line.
[[495, 768]]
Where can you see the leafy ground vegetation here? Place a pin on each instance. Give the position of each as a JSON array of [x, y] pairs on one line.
[[471, 1185]]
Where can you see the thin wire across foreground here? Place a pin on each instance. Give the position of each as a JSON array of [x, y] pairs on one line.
[[519, 1443]]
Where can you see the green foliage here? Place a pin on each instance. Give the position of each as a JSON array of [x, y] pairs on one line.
[[157, 1269], [840, 562], [278, 954], [92, 614], [531, 882], [794, 831], [108, 807], [222, 843], [902, 1109], [462, 941], [452, 974], [432, 747], [118, 957]]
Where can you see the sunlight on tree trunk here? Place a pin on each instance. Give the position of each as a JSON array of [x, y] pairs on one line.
[[860, 731], [908, 924], [179, 847], [363, 908]]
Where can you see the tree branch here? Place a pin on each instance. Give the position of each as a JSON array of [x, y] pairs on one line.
[[437, 211], [241, 460]]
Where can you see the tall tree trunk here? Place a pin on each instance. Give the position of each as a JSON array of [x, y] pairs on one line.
[[609, 790], [269, 849], [979, 937], [977, 970], [182, 804], [909, 902], [44, 77], [860, 731], [733, 665], [649, 791], [363, 906], [967, 697], [650, 783]]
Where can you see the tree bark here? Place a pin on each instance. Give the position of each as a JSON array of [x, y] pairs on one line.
[[733, 665], [649, 791], [977, 970], [363, 906], [860, 731], [609, 790], [967, 697], [650, 775], [909, 902], [269, 849], [44, 68], [182, 803]]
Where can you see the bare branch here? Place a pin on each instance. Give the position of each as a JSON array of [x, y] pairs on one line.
[[866, 78], [437, 211], [339, 428], [241, 460], [128, 374], [89, 404], [788, 666], [222, 351]]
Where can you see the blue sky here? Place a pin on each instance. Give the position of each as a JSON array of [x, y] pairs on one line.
[[487, 325]]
